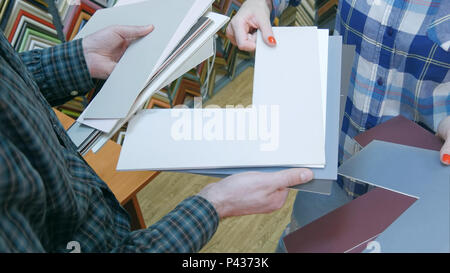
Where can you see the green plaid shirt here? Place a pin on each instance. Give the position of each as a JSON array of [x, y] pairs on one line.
[[49, 196]]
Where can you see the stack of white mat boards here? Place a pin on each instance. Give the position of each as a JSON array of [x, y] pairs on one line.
[[293, 120]]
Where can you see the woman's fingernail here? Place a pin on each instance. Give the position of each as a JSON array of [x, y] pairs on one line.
[[272, 40], [446, 158]]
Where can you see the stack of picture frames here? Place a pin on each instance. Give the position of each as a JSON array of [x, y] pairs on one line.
[[27, 24], [75, 13], [30, 24]]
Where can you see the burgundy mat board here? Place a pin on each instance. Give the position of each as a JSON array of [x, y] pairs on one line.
[[401, 130], [349, 226]]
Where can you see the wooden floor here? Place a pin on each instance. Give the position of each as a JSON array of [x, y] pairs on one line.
[[253, 233]]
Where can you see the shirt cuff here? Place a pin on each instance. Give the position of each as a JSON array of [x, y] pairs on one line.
[[187, 229], [61, 71]]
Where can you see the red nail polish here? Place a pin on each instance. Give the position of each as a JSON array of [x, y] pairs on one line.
[[446, 158], [272, 40]]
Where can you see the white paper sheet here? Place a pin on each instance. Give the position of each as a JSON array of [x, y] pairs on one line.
[[323, 49], [151, 144], [324, 176], [294, 90], [306, 45]]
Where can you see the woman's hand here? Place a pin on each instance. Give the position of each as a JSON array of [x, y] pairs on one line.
[[444, 133], [253, 14], [104, 48]]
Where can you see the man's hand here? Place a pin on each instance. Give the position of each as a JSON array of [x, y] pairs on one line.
[[253, 192], [103, 49], [444, 133], [253, 14]]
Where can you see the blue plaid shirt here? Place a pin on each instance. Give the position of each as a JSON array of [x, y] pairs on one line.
[[401, 65], [49, 196]]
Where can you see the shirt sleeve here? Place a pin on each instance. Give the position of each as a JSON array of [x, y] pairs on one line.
[[61, 71], [278, 6], [439, 29], [185, 229], [19, 186]]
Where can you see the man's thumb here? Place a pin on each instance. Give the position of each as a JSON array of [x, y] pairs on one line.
[[292, 177], [133, 32]]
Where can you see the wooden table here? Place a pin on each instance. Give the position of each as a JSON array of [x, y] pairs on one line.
[[124, 185]]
